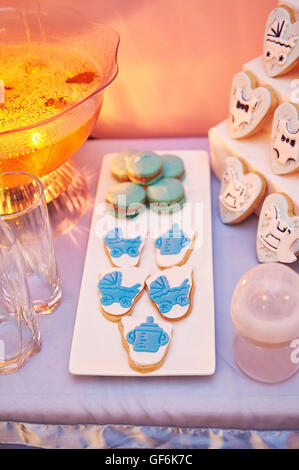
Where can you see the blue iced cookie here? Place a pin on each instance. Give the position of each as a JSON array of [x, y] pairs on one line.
[[144, 167], [167, 195], [126, 199], [173, 166]]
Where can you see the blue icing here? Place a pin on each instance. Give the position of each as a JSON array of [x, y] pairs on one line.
[[147, 337], [172, 241], [118, 245], [166, 297], [113, 292]]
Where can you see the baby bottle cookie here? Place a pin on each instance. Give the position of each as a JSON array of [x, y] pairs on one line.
[[173, 247], [146, 342], [240, 192], [278, 231], [119, 290]]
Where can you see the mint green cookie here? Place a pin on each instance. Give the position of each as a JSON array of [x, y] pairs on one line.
[[126, 198], [144, 167], [173, 166], [118, 166], [167, 195]]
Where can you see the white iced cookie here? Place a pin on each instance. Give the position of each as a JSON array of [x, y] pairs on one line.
[[173, 246], [281, 42], [170, 290], [285, 139], [250, 105], [119, 289], [240, 192], [278, 231], [146, 341]]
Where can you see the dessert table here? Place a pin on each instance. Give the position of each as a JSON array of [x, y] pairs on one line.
[[44, 405]]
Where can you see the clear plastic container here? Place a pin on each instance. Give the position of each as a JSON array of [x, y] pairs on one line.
[[265, 314]]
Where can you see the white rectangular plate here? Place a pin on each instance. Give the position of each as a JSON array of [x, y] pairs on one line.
[[96, 347]]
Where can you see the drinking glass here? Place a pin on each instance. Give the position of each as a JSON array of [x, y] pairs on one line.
[[23, 206], [19, 333]]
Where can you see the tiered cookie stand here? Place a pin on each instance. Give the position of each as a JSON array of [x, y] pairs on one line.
[[255, 150]]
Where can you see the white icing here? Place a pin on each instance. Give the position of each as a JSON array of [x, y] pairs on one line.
[[238, 191], [140, 357], [278, 233], [130, 277], [166, 261], [285, 139], [281, 44], [248, 107], [175, 276]]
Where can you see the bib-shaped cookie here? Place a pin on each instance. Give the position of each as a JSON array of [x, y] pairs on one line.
[[250, 105], [240, 192], [146, 341], [278, 231], [170, 290], [119, 289], [281, 42], [285, 139]]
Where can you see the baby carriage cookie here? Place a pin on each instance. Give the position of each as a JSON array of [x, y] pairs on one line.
[[170, 290], [119, 289], [174, 246], [145, 341], [123, 251]]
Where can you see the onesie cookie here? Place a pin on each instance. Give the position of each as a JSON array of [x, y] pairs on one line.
[[123, 251], [250, 105], [240, 191], [167, 195], [146, 342], [119, 290], [173, 247], [281, 42], [144, 167], [118, 166], [170, 291], [173, 166], [126, 199], [285, 139], [278, 231]]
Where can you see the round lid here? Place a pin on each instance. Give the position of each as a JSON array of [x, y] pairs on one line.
[[265, 305]]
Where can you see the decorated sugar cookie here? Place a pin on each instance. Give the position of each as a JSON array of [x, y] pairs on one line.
[[170, 290], [173, 246], [250, 105], [285, 139], [123, 251], [278, 230], [146, 341], [119, 289], [240, 192], [281, 42]]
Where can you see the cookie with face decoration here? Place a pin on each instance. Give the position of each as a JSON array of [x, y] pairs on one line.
[[250, 106], [278, 231], [281, 42], [285, 139], [240, 192]]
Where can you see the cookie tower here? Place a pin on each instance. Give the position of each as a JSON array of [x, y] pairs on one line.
[[262, 129]]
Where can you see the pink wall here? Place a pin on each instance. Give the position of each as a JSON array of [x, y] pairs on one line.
[[177, 59]]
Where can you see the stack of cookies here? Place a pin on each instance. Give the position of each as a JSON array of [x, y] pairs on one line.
[[146, 178], [255, 152]]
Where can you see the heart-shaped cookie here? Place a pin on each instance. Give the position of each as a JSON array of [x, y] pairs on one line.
[[250, 105], [285, 139], [278, 231], [240, 191], [281, 42]]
